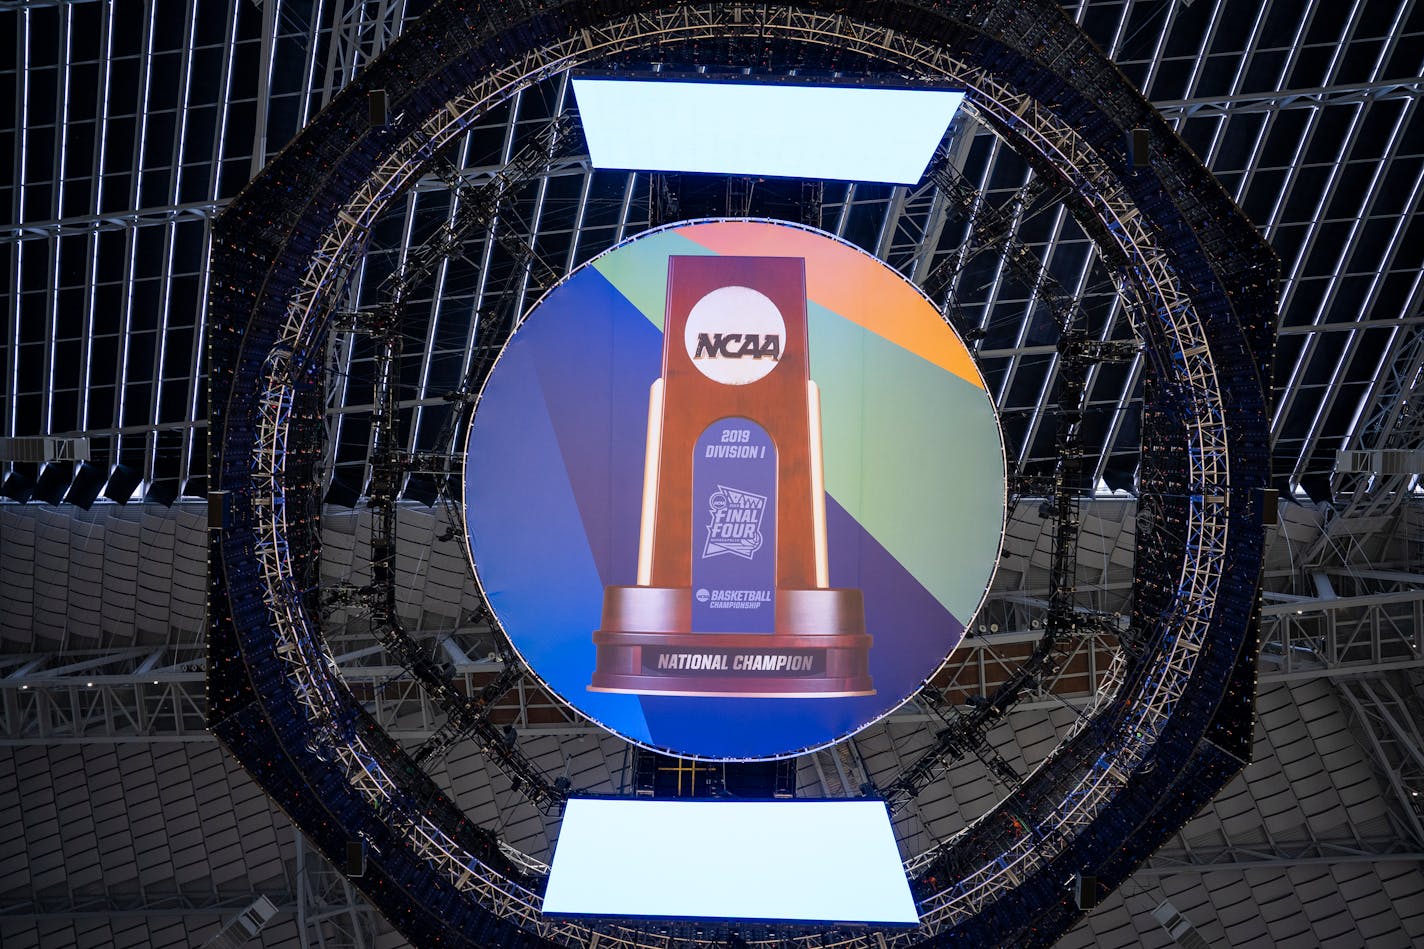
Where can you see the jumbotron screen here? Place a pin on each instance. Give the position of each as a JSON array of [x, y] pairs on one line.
[[741, 126], [805, 861], [734, 489]]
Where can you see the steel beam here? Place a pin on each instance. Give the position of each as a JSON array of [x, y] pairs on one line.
[[156, 693], [180, 902], [1384, 719], [1241, 859]]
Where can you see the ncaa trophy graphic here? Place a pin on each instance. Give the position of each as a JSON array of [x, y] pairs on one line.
[[732, 595]]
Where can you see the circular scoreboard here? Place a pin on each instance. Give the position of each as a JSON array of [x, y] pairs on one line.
[[734, 489]]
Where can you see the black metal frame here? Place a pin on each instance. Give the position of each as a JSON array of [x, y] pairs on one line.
[[288, 740]]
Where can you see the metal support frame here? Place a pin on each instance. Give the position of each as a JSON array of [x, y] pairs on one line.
[[330, 914], [1392, 427], [1179, 334], [840, 770], [1292, 661], [151, 904], [476, 208], [1240, 858], [1065, 626], [155, 693], [1386, 709], [343, 36], [989, 228], [360, 31], [386, 470]]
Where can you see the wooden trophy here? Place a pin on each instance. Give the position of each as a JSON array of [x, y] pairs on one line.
[[733, 596]]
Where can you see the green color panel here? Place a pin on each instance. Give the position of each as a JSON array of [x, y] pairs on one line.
[[639, 270], [914, 454]]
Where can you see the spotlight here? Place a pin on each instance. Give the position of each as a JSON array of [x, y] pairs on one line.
[[163, 491], [17, 487], [123, 481], [342, 493], [88, 482], [53, 482], [421, 489]]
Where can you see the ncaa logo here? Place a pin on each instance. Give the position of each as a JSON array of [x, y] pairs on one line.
[[733, 335], [703, 596]]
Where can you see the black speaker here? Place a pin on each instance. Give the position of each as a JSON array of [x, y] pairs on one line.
[[1085, 891], [17, 487], [217, 510], [342, 493], [421, 489], [163, 491], [1139, 149], [1120, 476], [123, 481], [53, 482], [1316, 487], [84, 490], [355, 865], [1270, 507], [378, 107]]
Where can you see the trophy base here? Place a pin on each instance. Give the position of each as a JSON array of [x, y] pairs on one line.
[[646, 647]]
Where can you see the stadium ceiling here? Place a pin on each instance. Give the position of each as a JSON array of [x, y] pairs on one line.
[[135, 124], [135, 127]]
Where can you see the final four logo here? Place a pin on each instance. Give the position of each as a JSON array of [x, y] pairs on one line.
[[735, 527]]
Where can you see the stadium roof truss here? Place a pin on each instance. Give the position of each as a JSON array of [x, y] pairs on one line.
[[1305, 118]]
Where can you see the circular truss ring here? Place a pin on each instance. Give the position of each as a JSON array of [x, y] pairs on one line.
[[281, 264]]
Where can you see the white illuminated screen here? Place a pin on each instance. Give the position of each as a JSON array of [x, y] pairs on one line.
[[849, 133], [811, 861]]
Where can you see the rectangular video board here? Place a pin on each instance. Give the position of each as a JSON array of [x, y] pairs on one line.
[[802, 861], [839, 131]]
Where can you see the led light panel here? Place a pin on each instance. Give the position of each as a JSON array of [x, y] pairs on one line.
[[821, 861], [850, 133]]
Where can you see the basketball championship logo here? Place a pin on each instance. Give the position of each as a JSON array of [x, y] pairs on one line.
[[733, 505]]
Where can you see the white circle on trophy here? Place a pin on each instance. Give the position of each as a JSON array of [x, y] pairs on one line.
[[735, 335]]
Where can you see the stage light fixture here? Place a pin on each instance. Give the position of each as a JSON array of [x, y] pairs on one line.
[[17, 487], [162, 491], [421, 489], [123, 482], [342, 493], [53, 482], [84, 489]]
